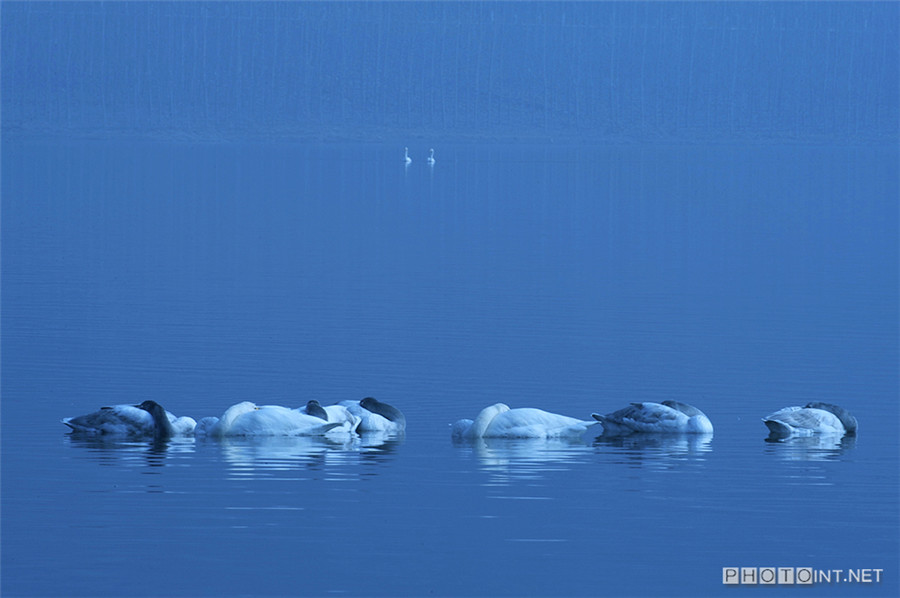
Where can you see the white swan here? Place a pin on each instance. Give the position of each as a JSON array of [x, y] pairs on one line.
[[248, 419], [499, 421], [375, 416], [406, 159], [148, 419], [332, 413], [815, 418], [431, 157], [668, 417]]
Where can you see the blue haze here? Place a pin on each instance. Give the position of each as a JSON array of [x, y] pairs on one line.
[[658, 70], [206, 203]]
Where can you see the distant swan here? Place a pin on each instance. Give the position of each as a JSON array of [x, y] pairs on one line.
[[406, 158], [375, 416], [431, 157], [668, 417], [499, 421], [815, 418], [248, 419], [148, 419]]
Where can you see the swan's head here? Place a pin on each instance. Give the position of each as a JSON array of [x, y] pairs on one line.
[[150, 407], [163, 426], [316, 410], [386, 411], [849, 421]]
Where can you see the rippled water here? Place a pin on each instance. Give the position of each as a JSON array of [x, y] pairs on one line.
[[575, 279]]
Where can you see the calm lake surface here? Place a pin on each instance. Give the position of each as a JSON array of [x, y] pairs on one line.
[[570, 278]]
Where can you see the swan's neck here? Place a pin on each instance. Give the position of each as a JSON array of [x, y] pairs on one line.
[[162, 426], [484, 419], [235, 411]]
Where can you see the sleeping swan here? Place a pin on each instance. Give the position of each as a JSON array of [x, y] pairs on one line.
[[668, 417], [148, 419], [499, 421], [332, 413], [375, 416], [248, 419], [815, 418]]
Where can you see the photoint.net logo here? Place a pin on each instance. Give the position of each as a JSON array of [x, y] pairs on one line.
[[797, 576]]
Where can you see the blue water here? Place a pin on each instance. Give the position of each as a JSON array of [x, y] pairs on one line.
[[205, 203], [571, 278]]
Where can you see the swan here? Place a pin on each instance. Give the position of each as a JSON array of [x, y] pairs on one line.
[[147, 419], [406, 159], [668, 417], [248, 419], [375, 416], [431, 157], [332, 413], [499, 421], [314, 408], [814, 418]]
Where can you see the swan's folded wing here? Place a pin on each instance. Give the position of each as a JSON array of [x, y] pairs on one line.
[[534, 423], [119, 419], [798, 420], [643, 417]]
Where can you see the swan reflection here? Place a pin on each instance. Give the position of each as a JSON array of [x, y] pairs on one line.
[[525, 458], [656, 450], [274, 455], [810, 448], [110, 450], [246, 456]]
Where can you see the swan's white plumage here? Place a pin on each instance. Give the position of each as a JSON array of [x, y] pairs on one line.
[[339, 414], [813, 419], [205, 425], [431, 158], [370, 421], [406, 159], [248, 419], [183, 426], [131, 420], [499, 421], [668, 417], [121, 420]]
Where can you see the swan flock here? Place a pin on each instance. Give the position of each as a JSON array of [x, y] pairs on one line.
[[150, 420]]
